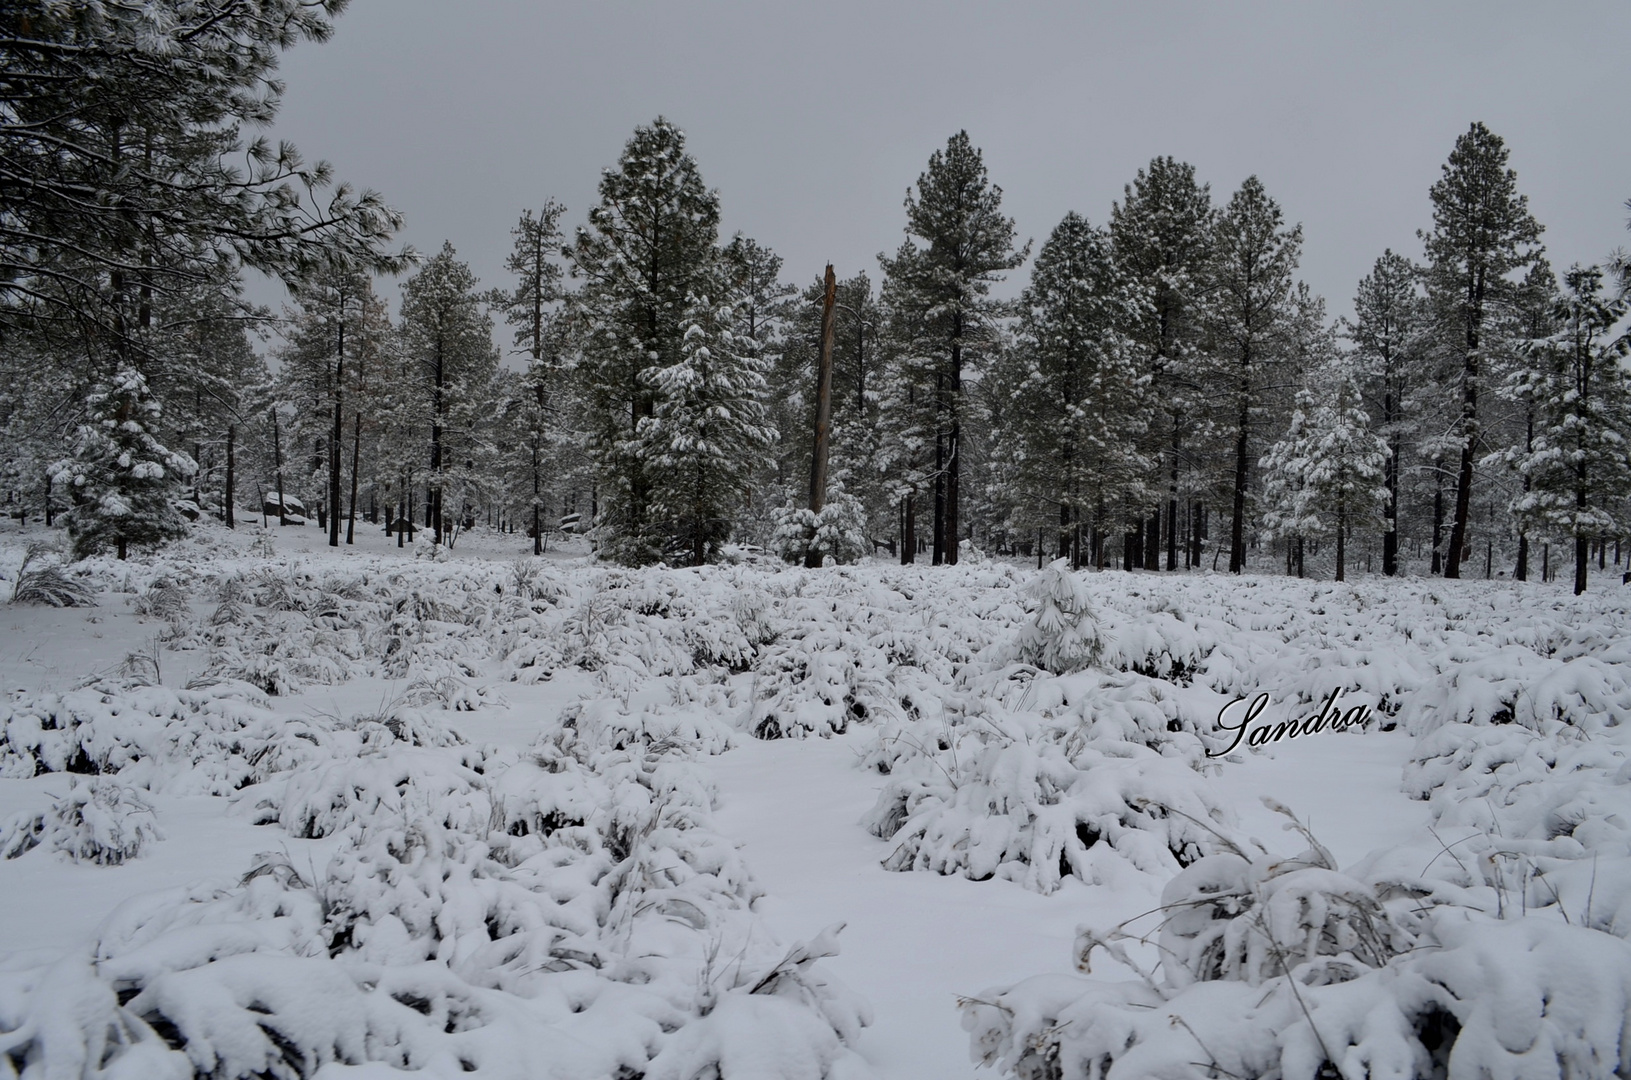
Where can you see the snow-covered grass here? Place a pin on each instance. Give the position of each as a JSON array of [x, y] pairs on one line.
[[500, 836]]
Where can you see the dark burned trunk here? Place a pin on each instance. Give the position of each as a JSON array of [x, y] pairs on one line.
[[955, 450]]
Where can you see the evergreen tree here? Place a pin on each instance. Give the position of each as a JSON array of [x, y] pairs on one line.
[[1327, 475], [123, 482], [649, 248], [331, 342], [447, 337], [1387, 334], [1534, 322], [1482, 232], [1161, 232], [1079, 400], [120, 154], [1578, 466], [762, 304], [707, 430], [1254, 257], [532, 405], [944, 321]]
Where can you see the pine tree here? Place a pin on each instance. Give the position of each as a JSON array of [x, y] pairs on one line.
[[1387, 334], [648, 250], [1482, 232], [532, 405], [124, 483], [944, 321], [1161, 232], [331, 342], [448, 340], [1078, 400], [1254, 257], [1327, 475], [707, 430], [1578, 466]]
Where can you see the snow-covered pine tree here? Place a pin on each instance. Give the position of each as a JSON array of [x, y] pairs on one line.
[[648, 249], [1482, 233], [1078, 401], [204, 379], [124, 483], [1387, 331], [944, 321], [1578, 466], [1327, 475], [1062, 635], [708, 428], [330, 356], [532, 406], [1161, 235], [448, 340], [763, 304], [1254, 258]]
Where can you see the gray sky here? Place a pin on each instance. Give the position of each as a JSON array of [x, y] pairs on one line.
[[812, 119]]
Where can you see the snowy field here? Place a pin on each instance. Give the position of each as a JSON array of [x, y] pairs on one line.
[[271, 809]]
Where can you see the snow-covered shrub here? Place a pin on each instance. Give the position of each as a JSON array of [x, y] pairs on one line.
[[41, 579], [1288, 968], [99, 821], [576, 907], [1088, 779]]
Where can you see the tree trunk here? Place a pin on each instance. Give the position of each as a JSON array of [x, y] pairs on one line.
[[1342, 541], [823, 421], [1521, 572], [338, 438], [954, 460], [49, 520], [1438, 515], [356, 460], [908, 534], [1582, 555], [1237, 522], [227, 497], [277, 458]]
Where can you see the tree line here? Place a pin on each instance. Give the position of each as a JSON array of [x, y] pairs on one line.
[[1165, 393]]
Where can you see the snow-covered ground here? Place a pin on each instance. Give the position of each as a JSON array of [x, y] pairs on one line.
[[270, 808]]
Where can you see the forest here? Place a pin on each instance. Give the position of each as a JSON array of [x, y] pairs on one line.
[[1163, 392]]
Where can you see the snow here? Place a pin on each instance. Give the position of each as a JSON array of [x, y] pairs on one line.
[[273, 809]]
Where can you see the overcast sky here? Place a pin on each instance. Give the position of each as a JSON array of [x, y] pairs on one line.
[[812, 119]]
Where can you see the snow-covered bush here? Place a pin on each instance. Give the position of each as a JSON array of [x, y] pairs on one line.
[[41, 579], [99, 821], [1288, 968]]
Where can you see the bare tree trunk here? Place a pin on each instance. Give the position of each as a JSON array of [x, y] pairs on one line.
[[1237, 523], [338, 438], [277, 458], [908, 535], [1438, 515], [227, 497], [823, 422], [1342, 541], [356, 460]]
